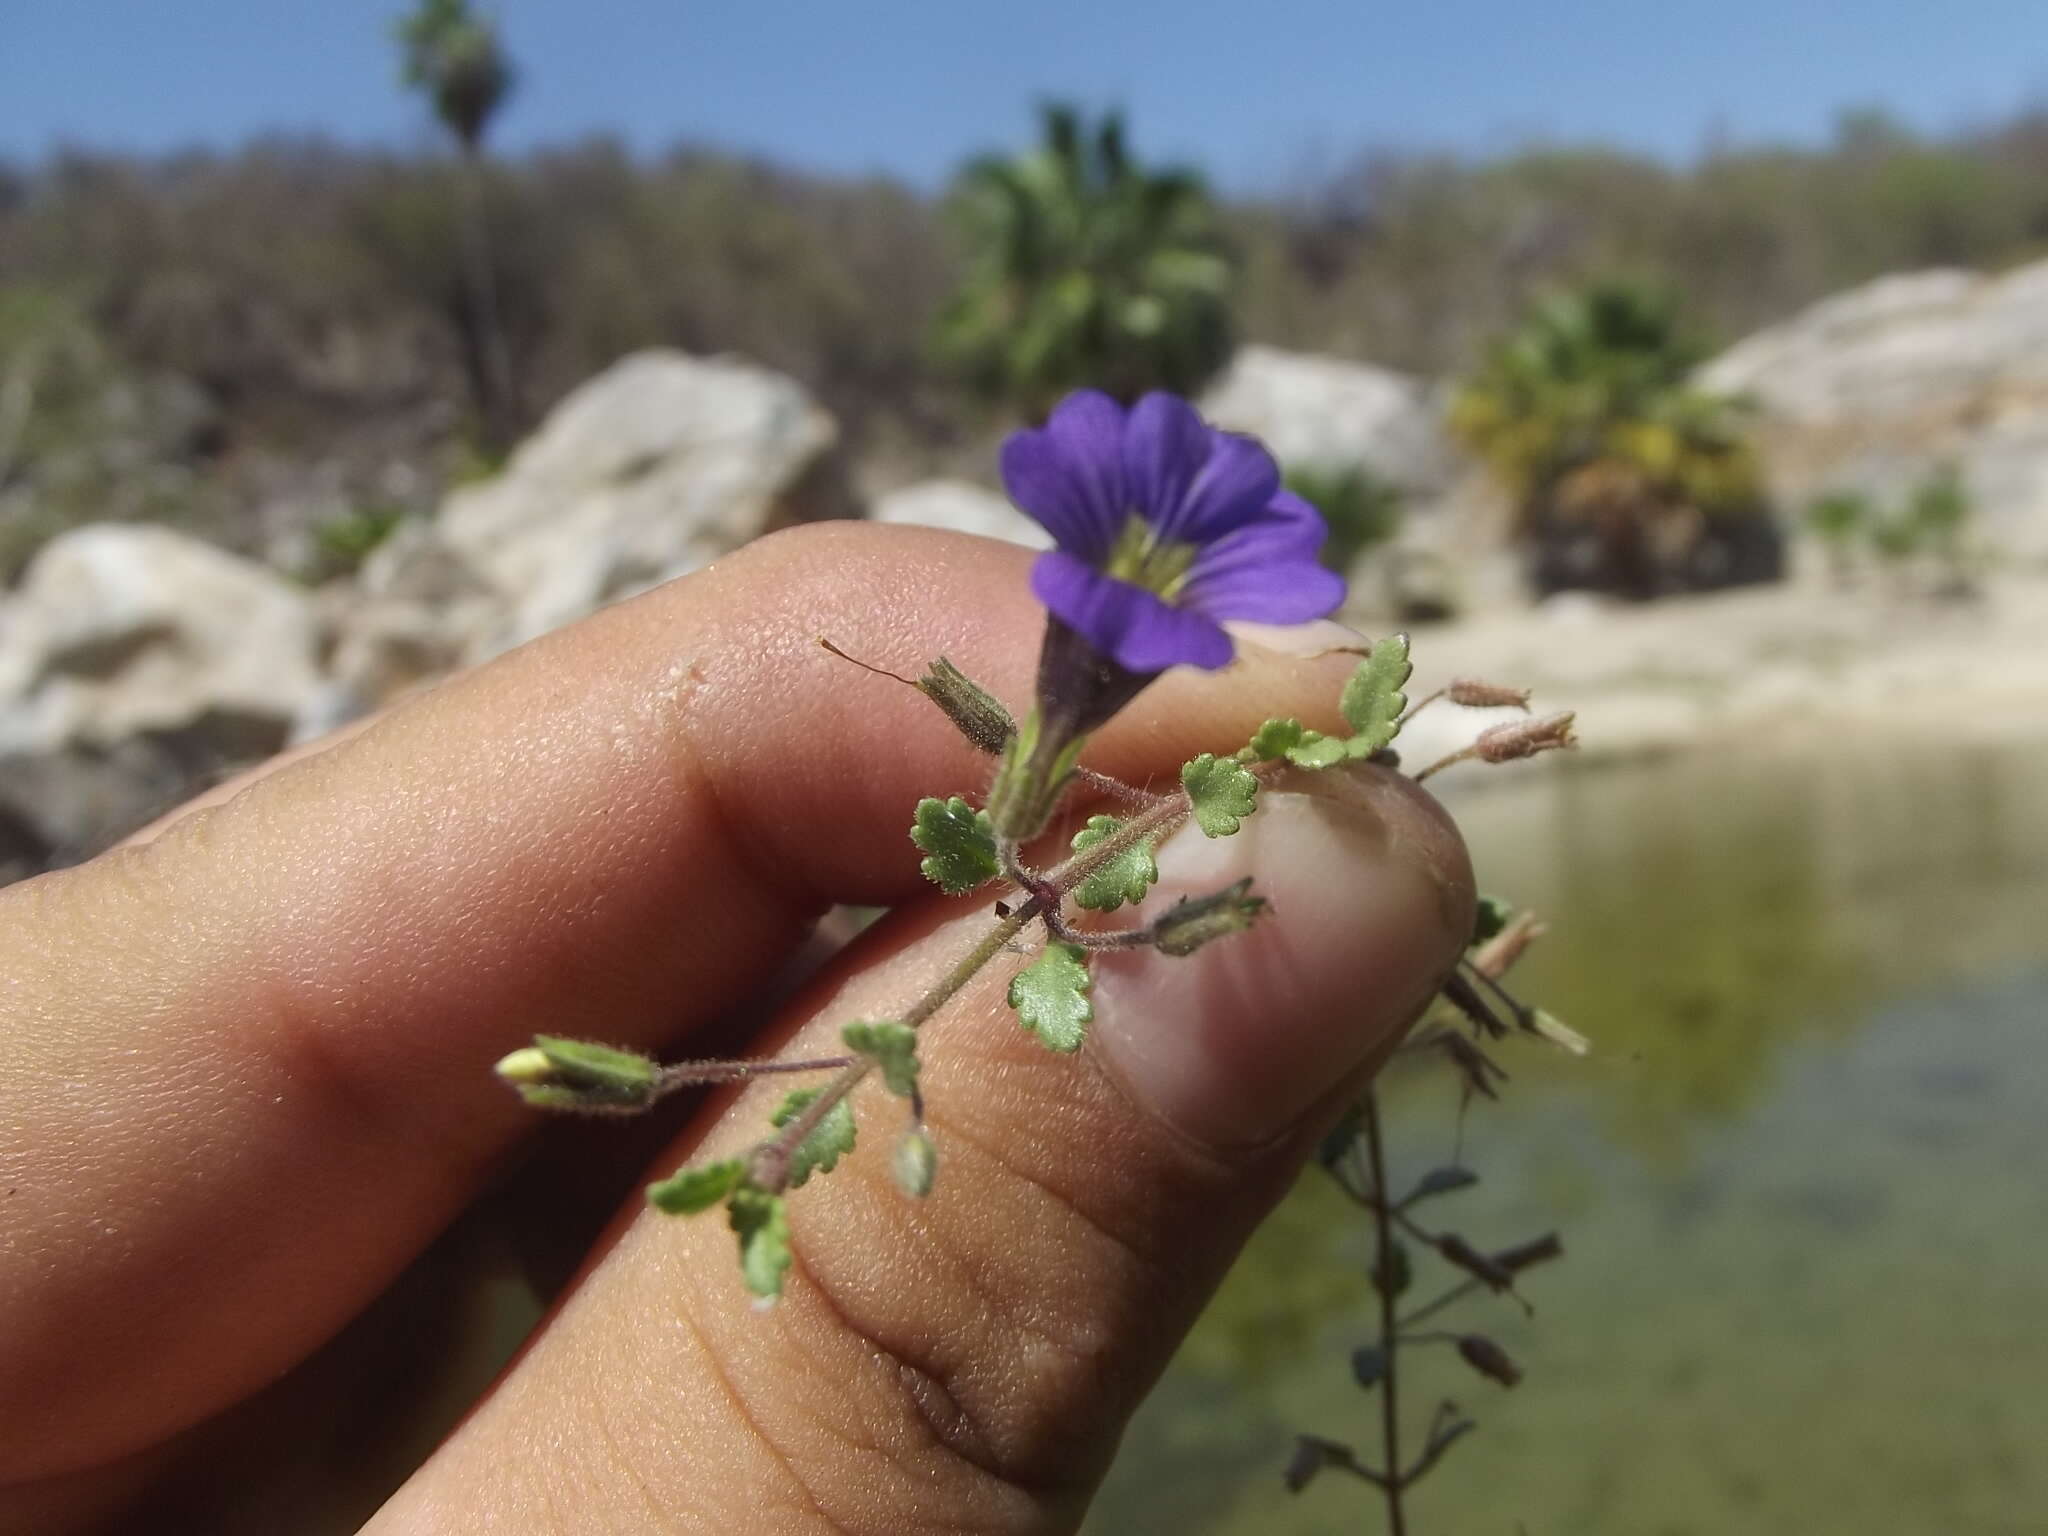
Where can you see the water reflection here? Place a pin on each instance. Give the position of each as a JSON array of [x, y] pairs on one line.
[[1802, 1184]]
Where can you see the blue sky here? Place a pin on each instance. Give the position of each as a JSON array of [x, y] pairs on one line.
[[1257, 91]]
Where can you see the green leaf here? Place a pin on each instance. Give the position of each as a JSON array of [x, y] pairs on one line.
[[1222, 791], [1276, 738], [820, 1151], [891, 1046], [1373, 700], [761, 1222], [1124, 878], [1318, 751], [690, 1190], [960, 842], [1051, 997]]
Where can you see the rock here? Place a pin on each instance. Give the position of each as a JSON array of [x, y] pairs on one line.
[[59, 807], [963, 507], [137, 666], [658, 465], [1326, 414], [119, 630], [1874, 388], [414, 612]]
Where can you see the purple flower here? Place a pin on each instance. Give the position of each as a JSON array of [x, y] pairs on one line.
[[1165, 527]]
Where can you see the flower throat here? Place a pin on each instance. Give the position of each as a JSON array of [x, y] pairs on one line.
[[1143, 559]]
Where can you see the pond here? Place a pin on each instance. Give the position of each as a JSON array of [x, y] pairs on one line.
[[1802, 1182]]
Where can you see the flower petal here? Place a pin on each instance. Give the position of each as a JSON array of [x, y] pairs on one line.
[[1267, 571], [1134, 628], [1237, 481], [1069, 474], [1165, 446]]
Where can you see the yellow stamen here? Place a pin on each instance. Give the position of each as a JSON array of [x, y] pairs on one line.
[[1145, 560]]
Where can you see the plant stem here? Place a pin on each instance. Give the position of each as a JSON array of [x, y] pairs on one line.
[[771, 1161], [1461, 755], [1390, 1341], [696, 1074]]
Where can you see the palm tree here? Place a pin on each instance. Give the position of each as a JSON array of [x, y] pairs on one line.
[[1085, 269], [453, 57], [1627, 478]]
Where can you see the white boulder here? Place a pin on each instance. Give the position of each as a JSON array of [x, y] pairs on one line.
[[1874, 388], [1327, 414], [657, 466], [122, 629]]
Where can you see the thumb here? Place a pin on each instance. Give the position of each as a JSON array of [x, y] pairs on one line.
[[968, 1361]]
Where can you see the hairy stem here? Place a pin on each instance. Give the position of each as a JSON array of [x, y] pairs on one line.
[[697, 1074], [771, 1162], [1461, 755], [1390, 1340]]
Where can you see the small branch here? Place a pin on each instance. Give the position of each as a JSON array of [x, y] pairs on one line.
[[694, 1074], [1421, 704], [1497, 956], [1390, 1343], [1440, 1442], [771, 1161], [1509, 742], [1117, 789], [1446, 762]]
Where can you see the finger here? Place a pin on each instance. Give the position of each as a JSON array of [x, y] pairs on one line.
[[967, 1362], [249, 1059]]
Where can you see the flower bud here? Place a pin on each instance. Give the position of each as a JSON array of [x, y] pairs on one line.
[[975, 712], [1524, 738], [1498, 954], [1194, 921], [1474, 694], [915, 1163], [554, 1073], [1538, 1250], [1489, 1359]]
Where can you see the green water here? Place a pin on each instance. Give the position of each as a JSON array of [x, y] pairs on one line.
[[1802, 1183]]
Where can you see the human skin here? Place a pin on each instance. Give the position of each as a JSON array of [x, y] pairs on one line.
[[249, 1068]]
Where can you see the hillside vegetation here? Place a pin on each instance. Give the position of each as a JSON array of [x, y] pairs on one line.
[[304, 304]]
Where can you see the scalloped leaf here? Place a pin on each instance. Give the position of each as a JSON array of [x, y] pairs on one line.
[[1373, 700], [1124, 878], [891, 1046], [959, 843], [1051, 997], [761, 1222], [1222, 791], [831, 1139], [690, 1190]]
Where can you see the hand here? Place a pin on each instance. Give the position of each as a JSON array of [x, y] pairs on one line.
[[248, 1074]]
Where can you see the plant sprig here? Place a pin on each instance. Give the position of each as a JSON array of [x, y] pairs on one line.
[[1111, 864]]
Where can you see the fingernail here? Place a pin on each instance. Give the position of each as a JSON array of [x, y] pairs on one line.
[[1371, 896]]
